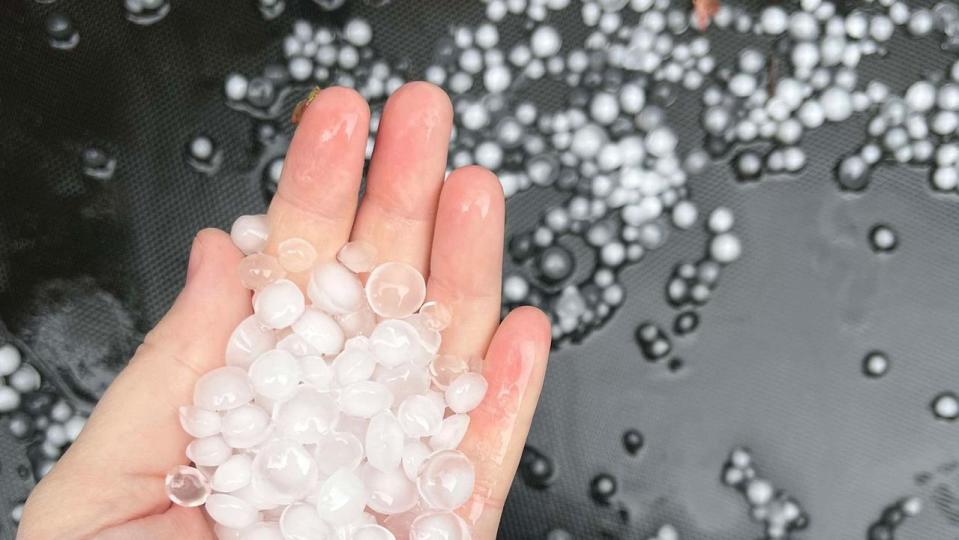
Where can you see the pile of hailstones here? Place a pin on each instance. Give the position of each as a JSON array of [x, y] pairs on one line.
[[334, 416]]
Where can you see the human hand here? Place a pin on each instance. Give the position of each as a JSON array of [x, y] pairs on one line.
[[110, 483]]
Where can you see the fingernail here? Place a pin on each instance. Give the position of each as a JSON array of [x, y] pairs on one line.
[[196, 258], [300, 108]]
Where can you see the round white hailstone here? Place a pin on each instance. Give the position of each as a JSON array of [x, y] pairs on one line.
[[857, 25], [489, 155], [451, 432], [222, 389], [348, 57], [235, 87], [789, 131], [384, 441], [912, 506], [435, 74], [229, 511], [395, 342], [945, 178], [948, 97], [307, 417], [471, 61], [759, 492], [794, 158], [355, 363], [661, 141], [466, 392], [199, 422], [414, 454], [588, 140], [446, 480], [209, 451], [921, 96], [233, 474], [420, 416], [315, 371], [803, 26], [515, 288], [249, 340], [275, 375], [881, 28], [390, 492], [365, 399], [831, 50], [612, 254], [285, 470], [947, 154], [300, 68], [836, 103], [9, 399], [946, 406], [320, 331], [358, 32], [773, 20], [805, 56], [921, 22], [300, 521], [632, 98], [497, 78], [249, 233], [395, 290], [10, 359], [725, 248], [335, 289], [279, 304], [487, 36], [338, 450], [684, 214], [545, 41], [441, 525], [742, 85], [790, 91], [604, 108], [720, 220]]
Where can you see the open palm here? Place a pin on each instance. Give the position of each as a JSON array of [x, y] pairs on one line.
[[110, 482]]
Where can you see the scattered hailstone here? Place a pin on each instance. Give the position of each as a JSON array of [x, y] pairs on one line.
[[334, 414]]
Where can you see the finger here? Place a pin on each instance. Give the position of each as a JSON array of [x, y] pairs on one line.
[[176, 522], [406, 175], [466, 263], [133, 436], [319, 187], [515, 367]]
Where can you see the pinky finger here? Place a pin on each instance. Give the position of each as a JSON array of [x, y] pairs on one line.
[[514, 368]]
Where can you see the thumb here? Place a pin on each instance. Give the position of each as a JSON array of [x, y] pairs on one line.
[[133, 436]]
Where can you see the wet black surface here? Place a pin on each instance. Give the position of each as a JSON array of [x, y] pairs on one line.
[[775, 364]]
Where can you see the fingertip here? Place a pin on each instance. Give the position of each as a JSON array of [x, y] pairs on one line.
[[533, 321], [338, 99], [474, 186], [425, 97]]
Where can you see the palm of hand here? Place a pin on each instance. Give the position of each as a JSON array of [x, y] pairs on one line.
[[110, 482]]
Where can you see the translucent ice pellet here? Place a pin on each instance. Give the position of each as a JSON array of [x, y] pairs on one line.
[[356, 356], [358, 323], [296, 254], [395, 290], [334, 289], [230, 511], [264, 530], [225, 533], [341, 450], [414, 454], [199, 422], [437, 315], [395, 342], [315, 371], [446, 367], [300, 521], [365, 399], [390, 491], [439, 526], [233, 474], [446, 480], [245, 426], [307, 416], [249, 233], [208, 451], [259, 270], [384, 441], [341, 498], [403, 381], [420, 416], [296, 345], [451, 432], [372, 532], [279, 304], [429, 339], [358, 256], [275, 374], [466, 392], [286, 469], [222, 389], [320, 331], [249, 340], [186, 486]]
